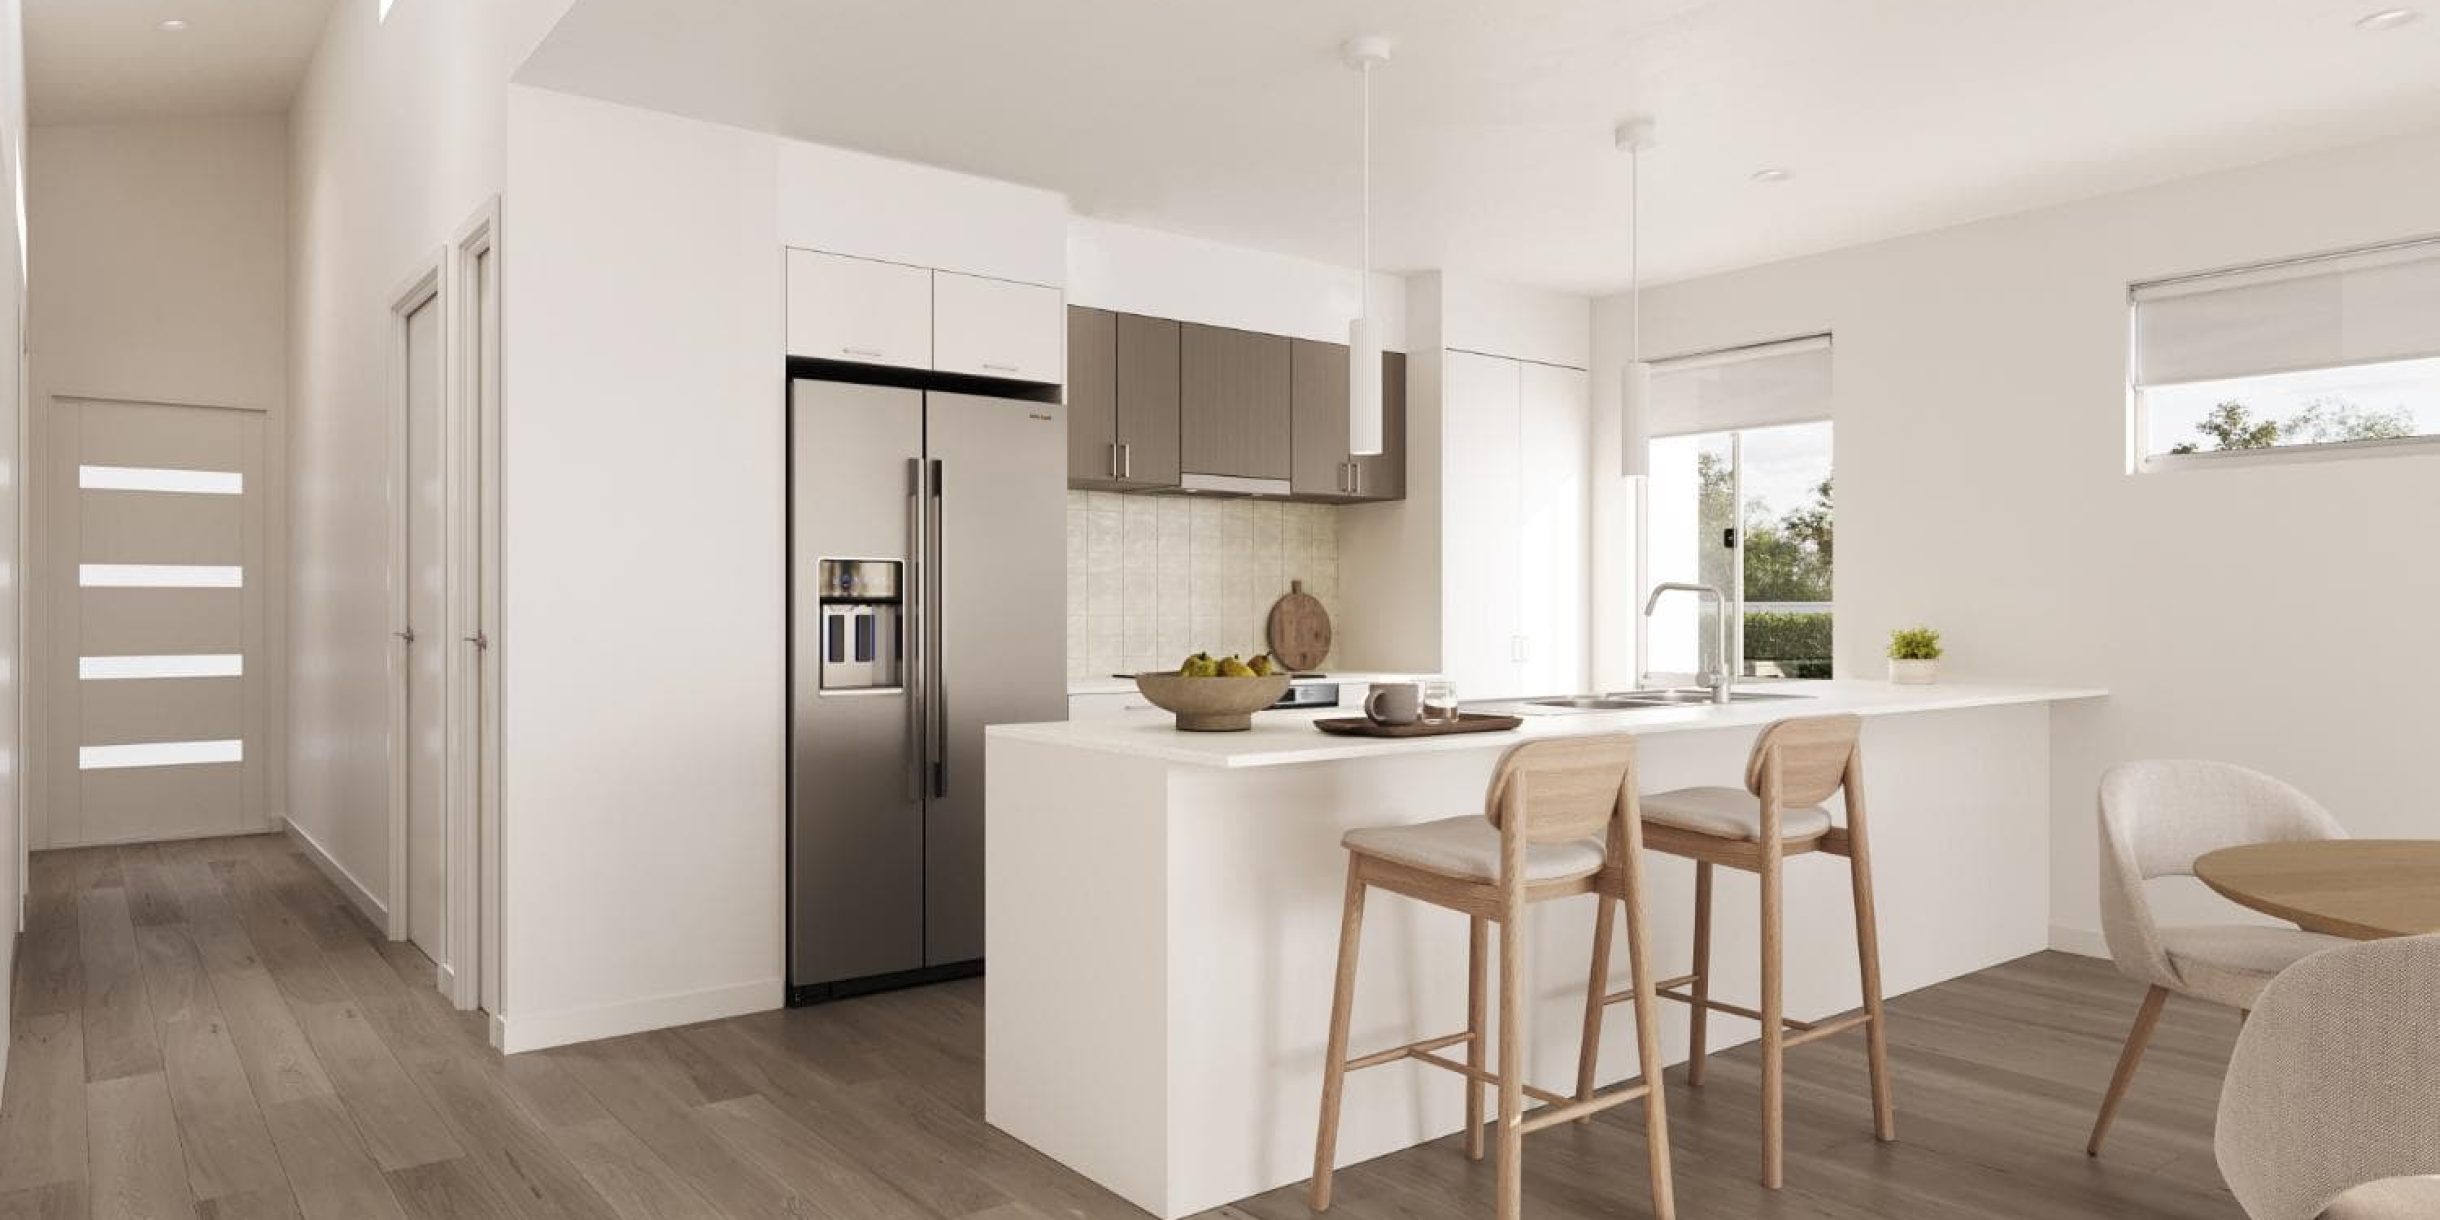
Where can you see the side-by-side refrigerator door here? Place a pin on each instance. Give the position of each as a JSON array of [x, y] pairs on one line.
[[856, 856], [1000, 582]]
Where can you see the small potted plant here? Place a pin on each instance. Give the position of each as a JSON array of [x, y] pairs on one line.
[[1914, 656]]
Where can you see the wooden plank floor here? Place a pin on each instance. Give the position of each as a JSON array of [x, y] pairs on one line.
[[207, 1029]]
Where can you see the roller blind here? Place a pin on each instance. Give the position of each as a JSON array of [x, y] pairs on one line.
[[2364, 307], [1748, 387]]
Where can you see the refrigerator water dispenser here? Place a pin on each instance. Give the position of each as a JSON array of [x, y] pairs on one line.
[[861, 642]]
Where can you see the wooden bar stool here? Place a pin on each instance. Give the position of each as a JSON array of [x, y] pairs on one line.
[[1560, 819], [1796, 766]]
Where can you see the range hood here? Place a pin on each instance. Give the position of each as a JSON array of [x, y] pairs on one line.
[[1228, 487]]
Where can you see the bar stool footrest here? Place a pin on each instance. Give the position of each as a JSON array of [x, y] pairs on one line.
[[1806, 1031], [1412, 1050]]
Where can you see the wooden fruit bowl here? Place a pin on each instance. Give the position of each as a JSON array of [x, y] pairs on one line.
[[1212, 705]]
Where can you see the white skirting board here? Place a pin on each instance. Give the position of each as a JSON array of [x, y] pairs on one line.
[[370, 907], [514, 1032]]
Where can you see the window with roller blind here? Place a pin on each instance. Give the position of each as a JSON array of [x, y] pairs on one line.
[[2330, 355], [1739, 498]]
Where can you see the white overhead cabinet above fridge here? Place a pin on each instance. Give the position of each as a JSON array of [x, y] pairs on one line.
[[866, 311]]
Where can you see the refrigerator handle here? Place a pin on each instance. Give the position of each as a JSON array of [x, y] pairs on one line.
[[918, 653], [936, 694]]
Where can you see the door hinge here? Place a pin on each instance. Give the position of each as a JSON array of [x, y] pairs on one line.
[[481, 641], [407, 636]]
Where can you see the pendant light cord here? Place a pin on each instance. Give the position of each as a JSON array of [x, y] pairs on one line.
[[1366, 287], [1635, 272]]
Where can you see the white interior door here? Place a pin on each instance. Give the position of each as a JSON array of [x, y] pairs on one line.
[[428, 643], [152, 540]]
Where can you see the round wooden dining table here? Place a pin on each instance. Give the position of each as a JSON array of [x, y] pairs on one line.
[[2365, 889]]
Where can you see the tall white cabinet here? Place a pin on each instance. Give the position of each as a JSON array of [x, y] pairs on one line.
[[1515, 536]]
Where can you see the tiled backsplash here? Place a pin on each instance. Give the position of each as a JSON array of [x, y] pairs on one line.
[[1152, 579]]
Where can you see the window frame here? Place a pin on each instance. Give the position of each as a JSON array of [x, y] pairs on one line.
[[2139, 414]]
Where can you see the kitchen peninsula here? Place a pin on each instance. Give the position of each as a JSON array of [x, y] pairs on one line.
[[1163, 917]]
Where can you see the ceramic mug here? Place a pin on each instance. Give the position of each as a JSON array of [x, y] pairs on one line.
[[1394, 703]]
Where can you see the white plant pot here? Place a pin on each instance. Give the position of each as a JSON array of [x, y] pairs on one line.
[[1914, 673]]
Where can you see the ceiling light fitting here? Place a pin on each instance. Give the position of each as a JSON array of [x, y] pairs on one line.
[[1773, 174], [2387, 19], [1364, 407], [173, 25]]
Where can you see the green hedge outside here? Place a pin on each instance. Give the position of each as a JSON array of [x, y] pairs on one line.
[[1798, 642]]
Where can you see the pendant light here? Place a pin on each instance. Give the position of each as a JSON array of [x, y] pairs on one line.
[[1364, 424], [1635, 380]]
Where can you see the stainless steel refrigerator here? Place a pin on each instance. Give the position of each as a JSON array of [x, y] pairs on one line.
[[928, 598]]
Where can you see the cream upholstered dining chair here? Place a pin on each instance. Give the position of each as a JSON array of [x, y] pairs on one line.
[[2157, 818], [2332, 1104]]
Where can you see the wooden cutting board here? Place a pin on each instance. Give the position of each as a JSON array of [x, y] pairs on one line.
[[1300, 630]]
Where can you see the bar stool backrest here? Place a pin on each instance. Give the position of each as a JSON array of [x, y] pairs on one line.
[[1568, 789], [1813, 754]]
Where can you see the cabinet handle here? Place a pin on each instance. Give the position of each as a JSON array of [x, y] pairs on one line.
[[1114, 459], [1356, 469], [1126, 460], [868, 353], [999, 368]]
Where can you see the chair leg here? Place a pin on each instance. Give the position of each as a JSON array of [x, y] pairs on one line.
[[1596, 990], [2146, 1018], [1774, 1030], [1648, 1041], [1478, 964], [1334, 1063], [1511, 1204], [1697, 1024], [1868, 955]]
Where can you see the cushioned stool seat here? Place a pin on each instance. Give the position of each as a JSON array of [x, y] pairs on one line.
[[1469, 847], [1730, 813]]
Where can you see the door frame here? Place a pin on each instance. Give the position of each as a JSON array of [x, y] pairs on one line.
[[422, 287], [467, 967], [473, 460]]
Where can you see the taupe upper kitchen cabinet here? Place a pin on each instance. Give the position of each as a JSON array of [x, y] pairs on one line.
[[1122, 400], [1233, 396], [1323, 468]]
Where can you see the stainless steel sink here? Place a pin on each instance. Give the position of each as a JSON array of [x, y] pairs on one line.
[[1632, 700]]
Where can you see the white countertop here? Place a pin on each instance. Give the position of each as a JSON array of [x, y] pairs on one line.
[[1288, 737], [1126, 686]]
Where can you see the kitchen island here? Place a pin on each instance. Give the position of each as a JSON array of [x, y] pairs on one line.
[[1163, 909]]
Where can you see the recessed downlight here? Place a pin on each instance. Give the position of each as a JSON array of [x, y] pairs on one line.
[[2387, 19], [173, 25], [1771, 174]]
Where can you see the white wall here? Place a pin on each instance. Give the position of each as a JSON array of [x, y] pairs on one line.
[[159, 269], [396, 138], [2272, 615], [1133, 269], [12, 492], [644, 441]]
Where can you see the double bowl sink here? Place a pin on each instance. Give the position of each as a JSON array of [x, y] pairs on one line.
[[1636, 700]]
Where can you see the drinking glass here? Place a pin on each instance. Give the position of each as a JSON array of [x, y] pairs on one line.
[[1439, 701]]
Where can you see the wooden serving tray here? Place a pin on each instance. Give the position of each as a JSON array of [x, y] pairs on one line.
[[1466, 722]]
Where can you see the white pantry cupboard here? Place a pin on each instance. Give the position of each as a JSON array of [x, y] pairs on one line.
[[1515, 539]]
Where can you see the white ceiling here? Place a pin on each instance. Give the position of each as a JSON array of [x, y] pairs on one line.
[[90, 61], [1235, 120]]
